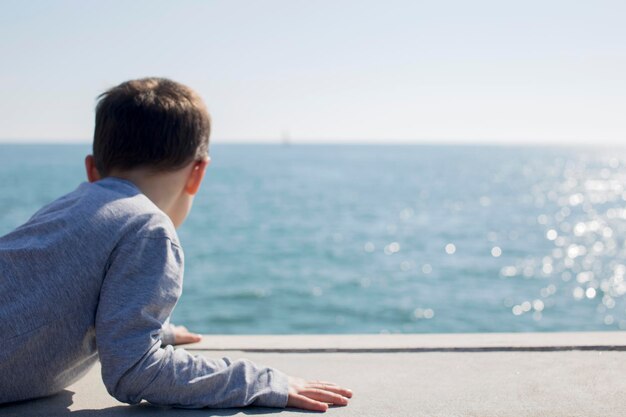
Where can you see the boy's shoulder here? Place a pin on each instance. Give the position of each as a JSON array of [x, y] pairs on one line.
[[117, 203], [111, 209]]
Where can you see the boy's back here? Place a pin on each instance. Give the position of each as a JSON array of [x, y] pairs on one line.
[[53, 269]]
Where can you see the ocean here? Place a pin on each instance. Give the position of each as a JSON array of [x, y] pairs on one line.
[[383, 238]]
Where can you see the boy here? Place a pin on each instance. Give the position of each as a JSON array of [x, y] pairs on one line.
[[96, 273]]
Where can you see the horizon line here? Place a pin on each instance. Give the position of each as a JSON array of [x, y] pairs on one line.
[[380, 142]]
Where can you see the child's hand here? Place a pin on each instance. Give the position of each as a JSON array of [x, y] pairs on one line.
[[182, 336], [316, 395]]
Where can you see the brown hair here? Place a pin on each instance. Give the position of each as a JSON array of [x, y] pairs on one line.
[[150, 122]]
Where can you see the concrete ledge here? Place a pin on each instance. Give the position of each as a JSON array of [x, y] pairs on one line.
[[415, 342], [545, 374]]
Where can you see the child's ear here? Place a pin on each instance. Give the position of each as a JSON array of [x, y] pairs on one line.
[[196, 175], [90, 166]]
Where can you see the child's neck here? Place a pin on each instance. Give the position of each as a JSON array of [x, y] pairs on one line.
[[164, 189]]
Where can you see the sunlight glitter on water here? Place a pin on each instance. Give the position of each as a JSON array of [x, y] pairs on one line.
[[585, 222]]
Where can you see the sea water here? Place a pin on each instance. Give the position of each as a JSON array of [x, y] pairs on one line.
[[376, 238]]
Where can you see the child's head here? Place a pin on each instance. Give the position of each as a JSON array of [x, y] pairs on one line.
[[155, 133], [151, 123]]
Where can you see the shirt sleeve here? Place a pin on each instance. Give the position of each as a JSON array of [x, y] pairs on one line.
[[139, 292]]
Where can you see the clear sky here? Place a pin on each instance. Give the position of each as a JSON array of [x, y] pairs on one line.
[[332, 71]]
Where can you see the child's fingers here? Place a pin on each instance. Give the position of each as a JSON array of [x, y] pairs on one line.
[[194, 337], [180, 339], [325, 396], [305, 403], [332, 388]]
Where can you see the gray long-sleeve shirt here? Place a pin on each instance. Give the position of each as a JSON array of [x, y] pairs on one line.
[[96, 274]]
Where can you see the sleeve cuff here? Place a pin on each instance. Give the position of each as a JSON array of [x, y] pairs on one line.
[[278, 393], [167, 334]]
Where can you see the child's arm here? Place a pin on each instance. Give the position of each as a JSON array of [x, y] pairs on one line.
[[139, 292], [309, 395]]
